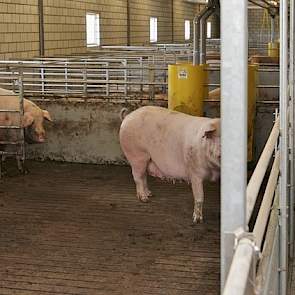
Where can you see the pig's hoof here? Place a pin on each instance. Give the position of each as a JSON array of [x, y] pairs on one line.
[[149, 193], [197, 218], [143, 199]]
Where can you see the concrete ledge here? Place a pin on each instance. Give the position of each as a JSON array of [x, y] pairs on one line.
[[87, 131]]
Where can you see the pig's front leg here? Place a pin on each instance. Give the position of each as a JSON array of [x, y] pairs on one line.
[[198, 192]]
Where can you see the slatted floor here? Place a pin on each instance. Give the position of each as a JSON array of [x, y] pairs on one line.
[[79, 229]]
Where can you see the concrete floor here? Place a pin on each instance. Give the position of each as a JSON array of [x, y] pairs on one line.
[[79, 229], [292, 278]]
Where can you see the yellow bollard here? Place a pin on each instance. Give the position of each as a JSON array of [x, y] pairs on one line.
[[186, 90]]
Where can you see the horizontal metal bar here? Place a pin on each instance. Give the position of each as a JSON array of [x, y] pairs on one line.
[[11, 142], [268, 86], [263, 214], [237, 280], [99, 82], [10, 127], [9, 111], [261, 167], [11, 153], [258, 86], [264, 272]]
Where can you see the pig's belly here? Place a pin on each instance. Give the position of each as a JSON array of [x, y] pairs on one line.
[[170, 165]]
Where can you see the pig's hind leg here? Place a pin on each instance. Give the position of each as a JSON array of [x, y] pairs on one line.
[[198, 192], [139, 172]]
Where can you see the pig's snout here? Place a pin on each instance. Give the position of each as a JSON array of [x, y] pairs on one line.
[[41, 137]]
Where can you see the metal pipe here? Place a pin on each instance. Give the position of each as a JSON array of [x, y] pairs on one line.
[[234, 81], [237, 281], [41, 27], [270, 5], [196, 44], [283, 145], [272, 29], [292, 117], [261, 167], [266, 268], [203, 34], [258, 4], [263, 214]]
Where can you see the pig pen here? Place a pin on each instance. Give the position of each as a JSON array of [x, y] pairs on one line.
[[79, 228]]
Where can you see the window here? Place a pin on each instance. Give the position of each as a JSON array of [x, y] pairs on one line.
[[187, 29], [92, 29], [209, 30], [153, 29]]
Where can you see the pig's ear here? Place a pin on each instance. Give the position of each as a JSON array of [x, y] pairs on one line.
[[209, 130], [27, 120], [46, 115]]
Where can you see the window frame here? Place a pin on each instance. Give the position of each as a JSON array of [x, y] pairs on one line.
[[154, 33], [209, 30], [187, 35], [95, 31]]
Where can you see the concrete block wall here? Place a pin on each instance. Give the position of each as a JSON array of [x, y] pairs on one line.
[[19, 29], [182, 11], [65, 32], [140, 13], [171, 17], [64, 24]]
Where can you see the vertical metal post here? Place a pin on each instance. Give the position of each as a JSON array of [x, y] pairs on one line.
[[283, 144], [66, 79], [203, 35], [234, 81], [151, 81], [84, 72], [292, 110], [141, 73], [108, 82], [272, 29], [196, 39], [42, 79], [125, 76], [21, 157]]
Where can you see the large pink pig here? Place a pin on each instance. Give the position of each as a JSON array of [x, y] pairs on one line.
[[171, 145]]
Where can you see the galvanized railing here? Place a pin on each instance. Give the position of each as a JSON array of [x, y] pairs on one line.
[[96, 77], [256, 252], [89, 77], [12, 138]]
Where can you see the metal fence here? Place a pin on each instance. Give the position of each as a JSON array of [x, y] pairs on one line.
[[255, 261], [110, 71]]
